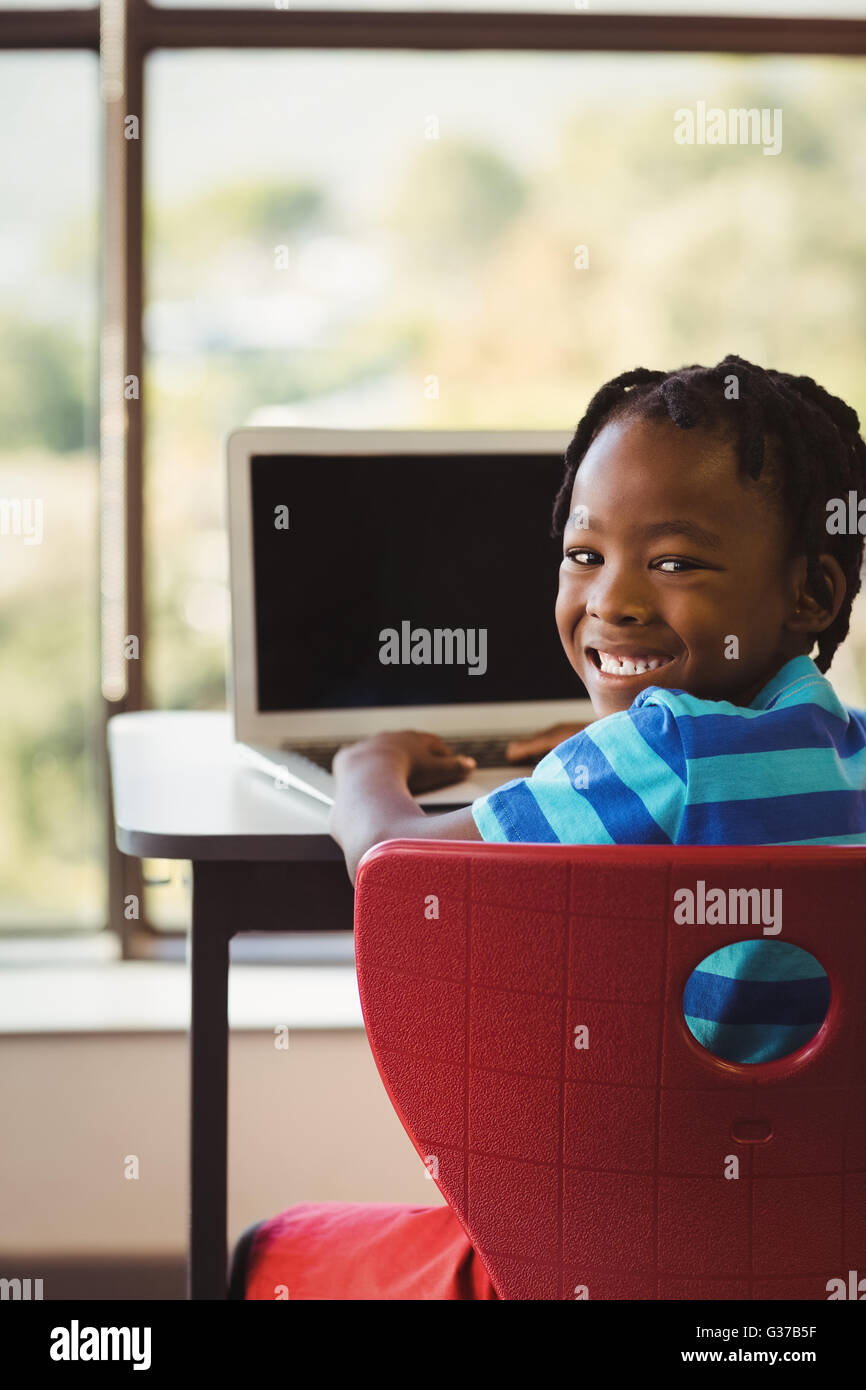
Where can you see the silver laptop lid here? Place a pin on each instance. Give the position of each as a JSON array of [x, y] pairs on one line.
[[395, 579]]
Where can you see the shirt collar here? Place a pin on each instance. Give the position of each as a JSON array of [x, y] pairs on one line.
[[788, 675]]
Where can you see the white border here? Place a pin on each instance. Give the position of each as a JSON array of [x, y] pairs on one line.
[[295, 726]]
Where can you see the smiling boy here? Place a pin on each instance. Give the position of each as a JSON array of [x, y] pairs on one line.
[[693, 519], [697, 575]]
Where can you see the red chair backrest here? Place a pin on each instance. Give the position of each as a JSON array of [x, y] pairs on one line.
[[606, 1171]]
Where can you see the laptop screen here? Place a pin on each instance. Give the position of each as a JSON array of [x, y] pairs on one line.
[[410, 579]]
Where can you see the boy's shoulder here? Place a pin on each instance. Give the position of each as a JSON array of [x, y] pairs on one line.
[[679, 725], [659, 771], [797, 685], [644, 737]]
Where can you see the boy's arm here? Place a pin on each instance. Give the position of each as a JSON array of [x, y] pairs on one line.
[[374, 800]]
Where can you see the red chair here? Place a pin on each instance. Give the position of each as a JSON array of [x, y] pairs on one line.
[[605, 1170]]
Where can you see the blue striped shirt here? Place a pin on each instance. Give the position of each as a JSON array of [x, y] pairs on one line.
[[674, 769]]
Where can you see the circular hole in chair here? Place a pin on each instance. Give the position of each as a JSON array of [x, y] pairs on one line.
[[756, 1001]]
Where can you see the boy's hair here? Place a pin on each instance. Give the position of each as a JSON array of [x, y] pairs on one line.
[[816, 454]]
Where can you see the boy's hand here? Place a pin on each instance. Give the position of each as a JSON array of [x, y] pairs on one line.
[[425, 761], [530, 750]]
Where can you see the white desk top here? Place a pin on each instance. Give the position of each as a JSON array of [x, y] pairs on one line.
[[179, 793]]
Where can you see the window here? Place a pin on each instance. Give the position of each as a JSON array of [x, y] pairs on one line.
[[52, 845], [517, 250], [431, 236]]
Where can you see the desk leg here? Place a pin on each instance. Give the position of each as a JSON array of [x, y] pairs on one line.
[[212, 929]]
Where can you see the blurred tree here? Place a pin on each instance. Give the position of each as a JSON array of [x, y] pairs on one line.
[[42, 397], [184, 242], [455, 201], [694, 251]]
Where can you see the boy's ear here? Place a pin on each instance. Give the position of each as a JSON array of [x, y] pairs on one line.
[[810, 615]]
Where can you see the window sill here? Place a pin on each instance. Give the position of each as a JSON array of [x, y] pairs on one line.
[[247, 948], [153, 997]]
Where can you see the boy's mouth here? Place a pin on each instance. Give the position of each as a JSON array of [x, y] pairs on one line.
[[627, 664]]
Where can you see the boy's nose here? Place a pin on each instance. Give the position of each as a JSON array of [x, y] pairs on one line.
[[618, 597]]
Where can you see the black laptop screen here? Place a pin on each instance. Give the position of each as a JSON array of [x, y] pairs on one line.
[[406, 580]]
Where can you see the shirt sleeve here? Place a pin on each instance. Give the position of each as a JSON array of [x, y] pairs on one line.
[[622, 780]]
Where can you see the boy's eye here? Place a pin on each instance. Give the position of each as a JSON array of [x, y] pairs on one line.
[[675, 561], [573, 553], [671, 560]]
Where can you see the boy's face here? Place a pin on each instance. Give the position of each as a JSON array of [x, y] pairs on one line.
[[679, 597]]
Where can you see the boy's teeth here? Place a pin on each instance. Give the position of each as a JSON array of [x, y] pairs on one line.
[[623, 667]]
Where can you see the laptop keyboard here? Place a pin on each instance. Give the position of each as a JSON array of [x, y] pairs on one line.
[[487, 752], [322, 754]]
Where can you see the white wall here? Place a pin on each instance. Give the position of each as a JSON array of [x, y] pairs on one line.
[[313, 1123]]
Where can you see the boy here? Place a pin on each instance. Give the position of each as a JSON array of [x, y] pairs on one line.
[[695, 537], [698, 573]]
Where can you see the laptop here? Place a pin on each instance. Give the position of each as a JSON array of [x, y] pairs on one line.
[[394, 579]]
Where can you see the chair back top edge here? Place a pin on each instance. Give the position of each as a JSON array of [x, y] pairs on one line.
[[815, 856]]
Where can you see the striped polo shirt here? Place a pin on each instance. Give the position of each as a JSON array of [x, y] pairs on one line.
[[674, 769]]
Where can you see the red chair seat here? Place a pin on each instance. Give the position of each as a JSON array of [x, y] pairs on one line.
[[364, 1251]]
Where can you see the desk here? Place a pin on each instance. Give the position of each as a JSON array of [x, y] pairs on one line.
[[262, 860]]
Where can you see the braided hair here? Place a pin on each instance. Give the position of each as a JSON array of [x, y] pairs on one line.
[[816, 453]]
